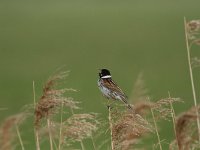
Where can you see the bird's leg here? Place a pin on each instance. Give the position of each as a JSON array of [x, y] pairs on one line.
[[109, 104]]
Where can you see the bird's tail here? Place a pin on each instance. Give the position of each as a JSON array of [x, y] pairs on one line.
[[128, 105]]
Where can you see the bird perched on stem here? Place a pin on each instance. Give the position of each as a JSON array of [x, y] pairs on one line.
[[110, 89]]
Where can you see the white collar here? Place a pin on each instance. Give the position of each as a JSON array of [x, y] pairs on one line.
[[105, 77]]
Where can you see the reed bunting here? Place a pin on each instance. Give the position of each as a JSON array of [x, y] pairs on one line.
[[109, 88]]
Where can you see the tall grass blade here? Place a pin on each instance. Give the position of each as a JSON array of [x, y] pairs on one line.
[[19, 136], [191, 76]]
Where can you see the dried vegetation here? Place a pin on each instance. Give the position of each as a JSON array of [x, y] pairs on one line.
[[57, 122]]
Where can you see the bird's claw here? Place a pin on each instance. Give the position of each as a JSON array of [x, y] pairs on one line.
[[109, 107]]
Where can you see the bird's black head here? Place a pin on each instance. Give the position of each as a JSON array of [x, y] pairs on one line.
[[104, 73]]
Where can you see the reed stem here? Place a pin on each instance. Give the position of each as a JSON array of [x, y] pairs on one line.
[[156, 128], [35, 128], [19, 136], [111, 127], [191, 76], [50, 136]]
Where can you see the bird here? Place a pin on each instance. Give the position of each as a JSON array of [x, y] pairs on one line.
[[110, 89]]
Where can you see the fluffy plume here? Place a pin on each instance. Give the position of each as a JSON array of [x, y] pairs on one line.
[[195, 62], [162, 107], [52, 98], [8, 132], [80, 126], [186, 130], [193, 29], [127, 129], [143, 107]]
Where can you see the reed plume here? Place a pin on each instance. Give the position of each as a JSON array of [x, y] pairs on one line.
[[53, 98], [187, 131], [8, 131], [50, 102], [80, 126], [127, 129]]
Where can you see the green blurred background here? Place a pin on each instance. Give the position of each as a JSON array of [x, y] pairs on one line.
[[127, 37]]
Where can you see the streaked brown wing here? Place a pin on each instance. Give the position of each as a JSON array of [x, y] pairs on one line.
[[110, 84]]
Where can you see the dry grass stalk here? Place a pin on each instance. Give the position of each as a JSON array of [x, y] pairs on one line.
[[60, 132], [186, 130], [93, 143], [7, 136], [173, 118], [80, 126], [53, 128], [52, 98], [127, 129], [156, 128], [191, 29], [162, 108], [19, 137], [37, 139], [82, 145], [35, 129], [111, 127], [50, 134], [50, 102], [75, 128]]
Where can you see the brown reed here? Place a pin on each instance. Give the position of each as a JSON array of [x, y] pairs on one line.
[[80, 126], [127, 129], [186, 129], [8, 132], [53, 98]]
